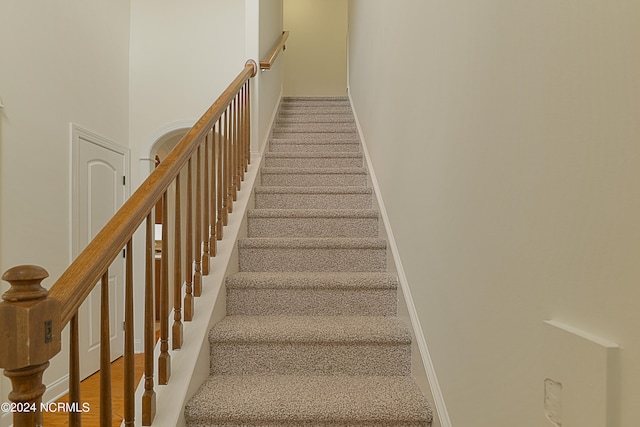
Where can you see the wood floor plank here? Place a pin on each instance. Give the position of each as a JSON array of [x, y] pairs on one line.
[[90, 394]]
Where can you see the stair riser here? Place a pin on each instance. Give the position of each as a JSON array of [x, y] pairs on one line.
[[321, 102], [312, 201], [312, 227], [311, 136], [313, 110], [310, 359], [313, 302], [312, 259], [313, 180], [315, 127], [313, 162], [294, 146], [307, 118]]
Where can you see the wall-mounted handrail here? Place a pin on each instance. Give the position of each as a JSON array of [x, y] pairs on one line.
[[279, 47], [32, 318]]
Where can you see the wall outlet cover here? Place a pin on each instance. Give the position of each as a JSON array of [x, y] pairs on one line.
[[553, 401]]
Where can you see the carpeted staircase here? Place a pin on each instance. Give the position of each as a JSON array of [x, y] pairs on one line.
[[311, 337]]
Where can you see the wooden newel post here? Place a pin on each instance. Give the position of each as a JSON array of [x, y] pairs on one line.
[[30, 334]]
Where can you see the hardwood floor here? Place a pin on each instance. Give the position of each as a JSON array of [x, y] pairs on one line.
[[90, 394]]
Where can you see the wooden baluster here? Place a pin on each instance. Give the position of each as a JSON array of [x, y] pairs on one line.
[[239, 153], [25, 314], [213, 243], [228, 163], [248, 120], [198, 248], [149, 396], [243, 132], [234, 133], [164, 360], [129, 360], [220, 194], [176, 331], [75, 417], [241, 135], [206, 253], [188, 262], [105, 354]]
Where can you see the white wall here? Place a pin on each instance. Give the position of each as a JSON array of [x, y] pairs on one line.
[[504, 136], [60, 62], [183, 56], [316, 54], [271, 81]]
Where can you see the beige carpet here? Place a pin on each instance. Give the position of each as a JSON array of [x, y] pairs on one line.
[[311, 336]]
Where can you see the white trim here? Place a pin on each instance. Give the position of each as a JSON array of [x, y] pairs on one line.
[[438, 398], [161, 133], [56, 389], [582, 334]]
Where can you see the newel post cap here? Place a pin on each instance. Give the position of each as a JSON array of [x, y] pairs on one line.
[[30, 330], [25, 283]]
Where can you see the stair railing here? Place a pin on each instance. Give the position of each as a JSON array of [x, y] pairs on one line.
[[215, 153], [280, 46]]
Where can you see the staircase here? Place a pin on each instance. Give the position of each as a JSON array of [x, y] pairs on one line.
[[311, 337]]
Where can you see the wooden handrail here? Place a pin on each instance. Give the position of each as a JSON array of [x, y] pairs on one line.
[[75, 284], [279, 47]]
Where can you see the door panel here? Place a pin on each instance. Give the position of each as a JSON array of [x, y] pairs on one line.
[[99, 193]]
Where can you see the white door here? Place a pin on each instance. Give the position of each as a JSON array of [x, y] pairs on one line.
[[99, 191]]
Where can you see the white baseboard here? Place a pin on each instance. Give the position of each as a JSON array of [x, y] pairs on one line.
[[56, 389], [438, 398]]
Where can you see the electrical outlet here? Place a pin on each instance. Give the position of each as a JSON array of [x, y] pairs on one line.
[[553, 401]]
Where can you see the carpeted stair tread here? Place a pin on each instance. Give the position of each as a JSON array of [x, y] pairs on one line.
[[314, 190], [314, 136], [310, 155], [312, 254], [347, 197], [315, 146], [314, 111], [314, 171], [297, 223], [310, 329], [284, 118], [315, 127], [310, 345], [347, 138], [305, 280], [319, 160], [311, 294], [327, 401], [311, 243], [312, 213], [324, 100], [313, 176]]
